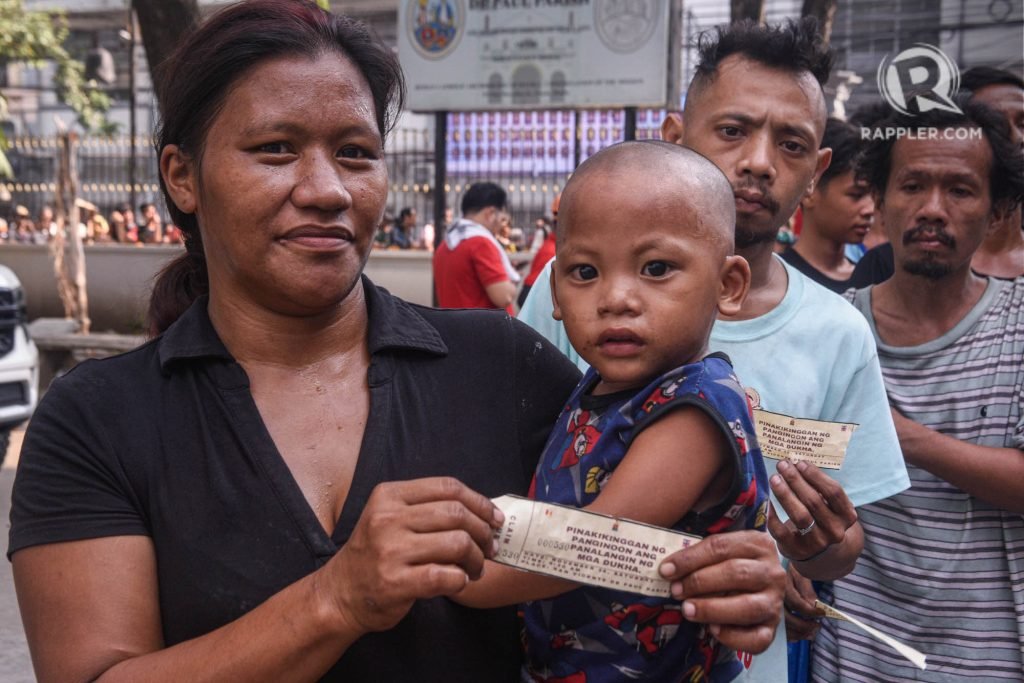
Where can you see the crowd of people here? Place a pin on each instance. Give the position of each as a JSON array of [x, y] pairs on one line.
[[404, 232], [317, 506], [122, 226]]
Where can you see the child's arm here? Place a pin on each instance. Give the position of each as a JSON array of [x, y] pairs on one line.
[[656, 483]]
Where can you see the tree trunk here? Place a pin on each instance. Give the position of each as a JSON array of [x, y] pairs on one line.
[[746, 9], [163, 24], [71, 274], [825, 12], [58, 249]]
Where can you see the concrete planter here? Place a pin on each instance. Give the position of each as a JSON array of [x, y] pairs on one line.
[[120, 279]]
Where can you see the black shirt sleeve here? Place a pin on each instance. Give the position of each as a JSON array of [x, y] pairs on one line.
[[874, 267], [70, 484], [544, 379]]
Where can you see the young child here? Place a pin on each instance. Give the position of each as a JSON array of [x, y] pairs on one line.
[[657, 430]]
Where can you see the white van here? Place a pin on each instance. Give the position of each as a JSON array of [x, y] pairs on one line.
[[19, 359]]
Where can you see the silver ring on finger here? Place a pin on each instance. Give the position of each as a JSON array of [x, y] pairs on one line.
[[807, 529]]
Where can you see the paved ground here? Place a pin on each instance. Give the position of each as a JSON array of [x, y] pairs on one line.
[[15, 665]]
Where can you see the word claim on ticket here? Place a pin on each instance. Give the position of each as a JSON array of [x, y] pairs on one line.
[[585, 547]]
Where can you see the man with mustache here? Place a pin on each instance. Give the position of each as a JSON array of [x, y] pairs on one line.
[[1002, 253], [943, 562], [755, 108]]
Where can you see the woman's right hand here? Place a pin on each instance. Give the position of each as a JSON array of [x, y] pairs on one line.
[[415, 539]]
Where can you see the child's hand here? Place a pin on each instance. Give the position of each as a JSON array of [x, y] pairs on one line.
[[734, 582]]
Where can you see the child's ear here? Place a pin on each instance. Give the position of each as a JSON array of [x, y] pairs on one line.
[[179, 174], [556, 312], [735, 278]]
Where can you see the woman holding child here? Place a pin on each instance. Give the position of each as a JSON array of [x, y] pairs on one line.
[[306, 508]]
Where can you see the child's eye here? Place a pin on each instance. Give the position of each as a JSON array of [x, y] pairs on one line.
[[585, 272], [655, 269], [274, 148]]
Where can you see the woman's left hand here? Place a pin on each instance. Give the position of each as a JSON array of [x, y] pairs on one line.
[[734, 582]]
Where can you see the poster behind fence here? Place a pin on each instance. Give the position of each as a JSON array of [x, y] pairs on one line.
[[469, 55]]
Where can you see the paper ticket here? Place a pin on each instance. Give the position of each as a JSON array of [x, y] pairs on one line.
[[916, 658], [585, 547], [815, 441]]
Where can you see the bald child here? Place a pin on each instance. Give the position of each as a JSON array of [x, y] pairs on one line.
[[645, 265]]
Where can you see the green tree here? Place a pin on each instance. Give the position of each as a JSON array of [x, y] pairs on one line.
[[35, 37]]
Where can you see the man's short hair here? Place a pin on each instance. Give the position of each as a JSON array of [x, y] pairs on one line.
[[793, 46], [980, 77], [844, 141], [479, 196], [1006, 177]]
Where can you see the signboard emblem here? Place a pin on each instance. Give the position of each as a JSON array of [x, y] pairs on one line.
[[499, 55], [625, 25], [435, 26]]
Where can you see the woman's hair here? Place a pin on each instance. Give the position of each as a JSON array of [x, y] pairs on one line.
[[193, 84]]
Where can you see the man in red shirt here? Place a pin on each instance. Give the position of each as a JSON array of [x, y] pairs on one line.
[[545, 253], [471, 270]]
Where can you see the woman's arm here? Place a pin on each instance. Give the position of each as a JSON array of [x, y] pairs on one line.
[[91, 609], [653, 484], [91, 612]]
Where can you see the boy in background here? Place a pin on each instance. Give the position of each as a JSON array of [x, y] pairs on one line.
[[838, 212]]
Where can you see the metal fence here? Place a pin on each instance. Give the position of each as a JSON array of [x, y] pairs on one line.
[[103, 172], [530, 154]]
